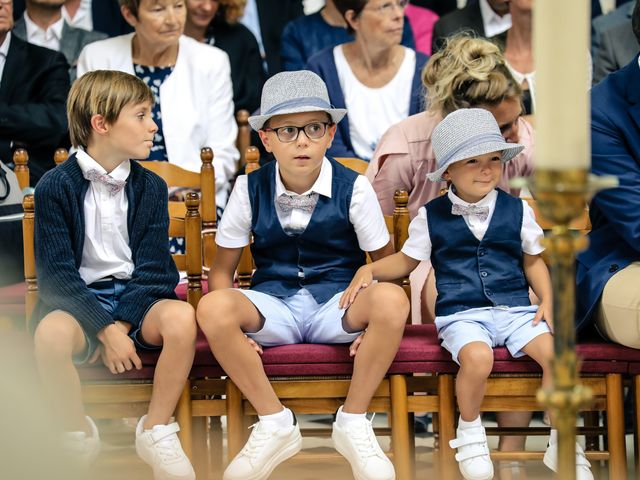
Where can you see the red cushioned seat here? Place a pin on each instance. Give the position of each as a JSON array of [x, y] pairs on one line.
[[181, 289]]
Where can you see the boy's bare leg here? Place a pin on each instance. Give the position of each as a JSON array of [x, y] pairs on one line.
[[476, 362], [540, 349], [172, 324], [224, 316], [382, 309], [57, 339]]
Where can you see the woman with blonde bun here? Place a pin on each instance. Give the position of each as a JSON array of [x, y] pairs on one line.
[[467, 73]]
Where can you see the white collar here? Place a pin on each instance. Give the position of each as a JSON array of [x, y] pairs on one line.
[[33, 28], [86, 163], [322, 185], [493, 23], [83, 10], [4, 48], [489, 199]]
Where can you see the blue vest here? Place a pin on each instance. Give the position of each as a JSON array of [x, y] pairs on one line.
[[323, 259], [472, 273]]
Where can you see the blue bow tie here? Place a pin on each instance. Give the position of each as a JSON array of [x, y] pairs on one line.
[[481, 212]]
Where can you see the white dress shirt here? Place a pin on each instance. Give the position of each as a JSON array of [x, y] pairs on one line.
[[365, 214], [418, 245], [4, 51], [49, 38], [83, 17], [106, 251], [493, 23]]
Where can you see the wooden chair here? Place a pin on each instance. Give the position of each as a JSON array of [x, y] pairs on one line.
[[204, 181], [128, 394], [243, 140], [354, 163]]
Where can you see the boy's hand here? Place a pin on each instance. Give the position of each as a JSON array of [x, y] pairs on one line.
[[255, 345], [362, 279], [353, 348], [545, 312], [118, 350]]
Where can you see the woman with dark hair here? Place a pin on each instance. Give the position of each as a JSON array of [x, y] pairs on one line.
[[216, 22], [374, 77]]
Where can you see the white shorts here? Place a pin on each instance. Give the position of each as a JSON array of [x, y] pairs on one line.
[[511, 327], [298, 319]]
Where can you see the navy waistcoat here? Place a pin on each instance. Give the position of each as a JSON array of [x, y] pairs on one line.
[[472, 273], [322, 259]]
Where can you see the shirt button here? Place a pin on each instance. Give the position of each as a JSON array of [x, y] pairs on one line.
[[488, 292], [483, 274]]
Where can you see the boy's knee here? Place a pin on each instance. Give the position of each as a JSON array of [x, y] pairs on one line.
[[478, 355], [178, 323], [390, 304], [54, 338], [216, 312]]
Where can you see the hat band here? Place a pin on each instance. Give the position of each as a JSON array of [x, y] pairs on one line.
[[478, 139], [298, 102]]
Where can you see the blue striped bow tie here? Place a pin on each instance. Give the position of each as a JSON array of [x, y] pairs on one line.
[[481, 212], [305, 203]]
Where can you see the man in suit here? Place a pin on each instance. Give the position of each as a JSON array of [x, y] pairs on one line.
[[34, 83], [616, 44], [42, 24], [608, 272], [97, 15], [485, 18]]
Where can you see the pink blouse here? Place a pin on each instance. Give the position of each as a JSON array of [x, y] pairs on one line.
[[404, 156]]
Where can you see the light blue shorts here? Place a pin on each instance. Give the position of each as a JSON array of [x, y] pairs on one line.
[[298, 319], [511, 327]]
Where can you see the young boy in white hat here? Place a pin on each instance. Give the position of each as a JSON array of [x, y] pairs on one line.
[[485, 248], [311, 220]]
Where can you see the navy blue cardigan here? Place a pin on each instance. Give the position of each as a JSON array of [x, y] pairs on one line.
[[59, 239], [324, 65]]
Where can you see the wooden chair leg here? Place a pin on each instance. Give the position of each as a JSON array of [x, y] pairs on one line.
[[446, 428], [615, 427], [400, 428], [591, 419], [234, 420], [201, 462], [183, 417]]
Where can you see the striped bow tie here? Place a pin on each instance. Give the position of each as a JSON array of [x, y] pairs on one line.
[[481, 212], [113, 185], [305, 203]]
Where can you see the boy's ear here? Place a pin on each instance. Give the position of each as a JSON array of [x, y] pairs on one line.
[[446, 175], [99, 124], [265, 140], [331, 131]]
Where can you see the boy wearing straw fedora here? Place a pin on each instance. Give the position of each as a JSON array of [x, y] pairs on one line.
[[485, 248], [311, 220]]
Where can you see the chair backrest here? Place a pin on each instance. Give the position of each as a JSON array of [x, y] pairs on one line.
[[243, 140], [204, 181], [582, 223], [21, 169], [354, 163], [60, 155], [188, 227]]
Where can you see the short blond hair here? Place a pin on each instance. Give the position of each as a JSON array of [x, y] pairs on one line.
[[101, 92], [468, 72]]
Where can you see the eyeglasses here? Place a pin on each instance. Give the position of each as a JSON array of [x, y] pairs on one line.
[[388, 8], [313, 131]]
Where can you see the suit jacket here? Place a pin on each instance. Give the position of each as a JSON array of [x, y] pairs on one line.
[[614, 240], [274, 15], [105, 15], [72, 41], [620, 15], [33, 95], [617, 46], [467, 18]]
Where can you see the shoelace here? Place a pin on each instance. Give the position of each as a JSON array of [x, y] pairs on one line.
[[168, 449], [257, 440], [363, 437]]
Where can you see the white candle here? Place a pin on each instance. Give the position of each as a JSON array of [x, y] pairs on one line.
[[562, 122]]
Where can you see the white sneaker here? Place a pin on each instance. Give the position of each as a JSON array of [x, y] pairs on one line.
[[82, 448], [160, 449], [266, 448], [358, 444], [473, 457], [583, 467]]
